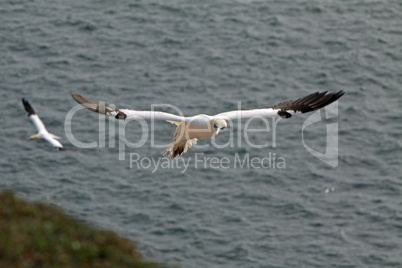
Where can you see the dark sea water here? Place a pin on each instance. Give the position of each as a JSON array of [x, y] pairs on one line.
[[206, 57]]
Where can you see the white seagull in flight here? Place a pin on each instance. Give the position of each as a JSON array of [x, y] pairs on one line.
[[189, 129], [42, 131]]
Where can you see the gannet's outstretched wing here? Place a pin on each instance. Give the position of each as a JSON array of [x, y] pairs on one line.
[[42, 131], [126, 114], [286, 109], [34, 117]]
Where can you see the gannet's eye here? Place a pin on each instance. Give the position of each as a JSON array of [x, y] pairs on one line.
[[223, 128]]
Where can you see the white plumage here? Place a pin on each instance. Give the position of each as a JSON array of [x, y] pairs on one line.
[[42, 131]]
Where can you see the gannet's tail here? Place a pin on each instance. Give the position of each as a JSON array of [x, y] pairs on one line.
[[178, 148]]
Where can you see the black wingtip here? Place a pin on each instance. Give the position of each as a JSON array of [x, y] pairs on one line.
[[28, 107], [97, 107], [310, 102]]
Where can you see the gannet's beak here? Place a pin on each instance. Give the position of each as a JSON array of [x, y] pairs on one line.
[[217, 131]]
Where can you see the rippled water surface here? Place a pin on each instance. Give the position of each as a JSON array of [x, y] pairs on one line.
[[209, 57]]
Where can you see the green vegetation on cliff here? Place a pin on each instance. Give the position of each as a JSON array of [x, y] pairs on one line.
[[39, 235]]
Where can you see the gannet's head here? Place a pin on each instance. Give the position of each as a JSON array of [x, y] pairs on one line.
[[34, 137], [219, 125]]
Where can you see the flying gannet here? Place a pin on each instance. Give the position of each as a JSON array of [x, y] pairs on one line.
[[42, 131], [189, 129]]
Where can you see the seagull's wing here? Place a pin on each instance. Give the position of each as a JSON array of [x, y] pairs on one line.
[[34, 117], [42, 131], [286, 109], [126, 114]]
